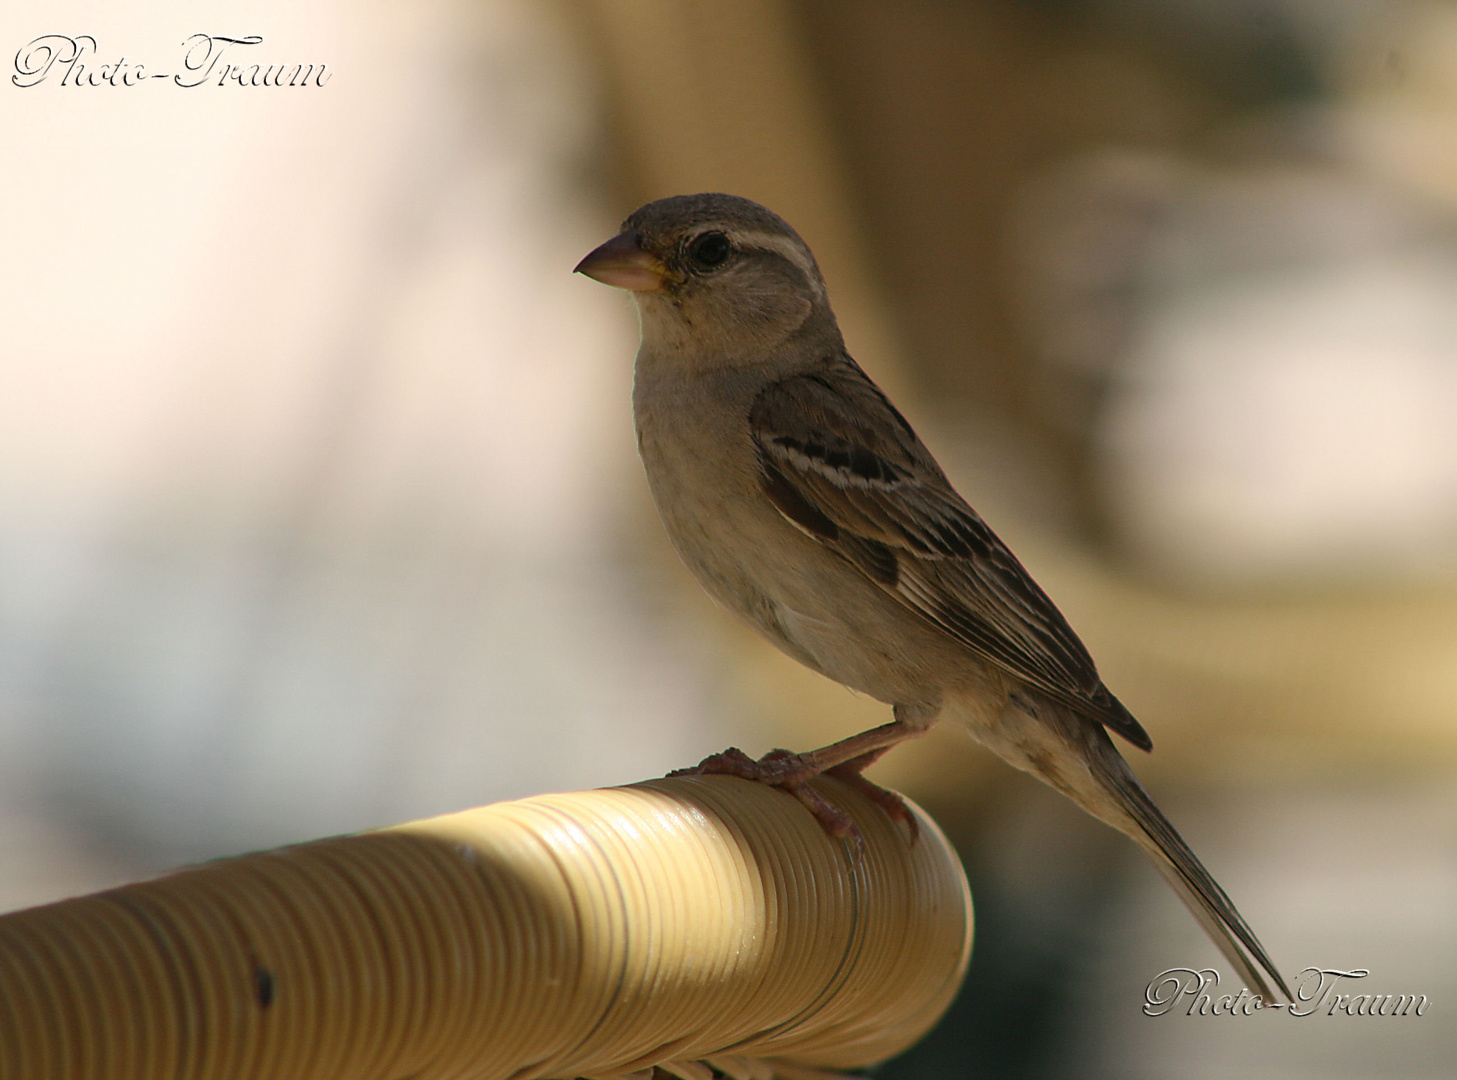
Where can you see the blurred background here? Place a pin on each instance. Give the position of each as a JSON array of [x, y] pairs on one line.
[[319, 507]]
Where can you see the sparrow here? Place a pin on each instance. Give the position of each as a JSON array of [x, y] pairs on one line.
[[804, 503]]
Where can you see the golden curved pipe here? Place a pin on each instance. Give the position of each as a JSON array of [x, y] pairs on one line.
[[599, 934]]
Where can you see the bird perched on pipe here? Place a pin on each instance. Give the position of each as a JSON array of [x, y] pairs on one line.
[[805, 504]]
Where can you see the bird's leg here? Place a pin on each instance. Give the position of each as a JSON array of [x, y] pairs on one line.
[[784, 768], [844, 760]]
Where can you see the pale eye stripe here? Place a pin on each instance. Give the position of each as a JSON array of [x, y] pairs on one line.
[[781, 245]]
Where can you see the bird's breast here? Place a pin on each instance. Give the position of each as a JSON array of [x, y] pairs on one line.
[[703, 469]]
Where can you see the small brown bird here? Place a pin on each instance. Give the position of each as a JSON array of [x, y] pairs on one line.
[[805, 504]]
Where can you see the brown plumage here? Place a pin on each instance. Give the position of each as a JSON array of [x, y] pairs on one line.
[[806, 504]]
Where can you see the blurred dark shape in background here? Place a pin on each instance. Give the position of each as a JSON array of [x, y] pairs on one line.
[[960, 119], [321, 510]]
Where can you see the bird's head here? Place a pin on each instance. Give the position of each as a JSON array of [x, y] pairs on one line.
[[714, 275]]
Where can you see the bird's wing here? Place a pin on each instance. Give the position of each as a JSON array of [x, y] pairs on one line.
[[842, 464]]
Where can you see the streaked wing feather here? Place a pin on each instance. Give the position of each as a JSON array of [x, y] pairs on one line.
[[841, 463]]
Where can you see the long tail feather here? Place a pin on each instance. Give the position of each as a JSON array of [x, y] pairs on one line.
[[1195, 886]]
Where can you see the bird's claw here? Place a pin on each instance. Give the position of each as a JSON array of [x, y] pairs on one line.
[[777, 768], [791, 773], [731, 762], [834, 821], [888, 801]]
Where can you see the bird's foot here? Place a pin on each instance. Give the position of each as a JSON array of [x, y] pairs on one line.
[[791, 773], [889, 801], [777, 768]]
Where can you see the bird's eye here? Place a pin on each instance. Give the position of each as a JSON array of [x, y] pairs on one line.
[[709, 250]]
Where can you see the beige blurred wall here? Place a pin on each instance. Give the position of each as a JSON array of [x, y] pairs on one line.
[[312, 449]]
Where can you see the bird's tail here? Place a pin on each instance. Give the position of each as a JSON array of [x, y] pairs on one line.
[[1195, 886]]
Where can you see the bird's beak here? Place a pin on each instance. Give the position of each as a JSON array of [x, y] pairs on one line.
[[623, 264]]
